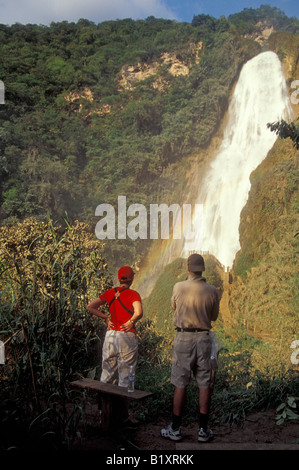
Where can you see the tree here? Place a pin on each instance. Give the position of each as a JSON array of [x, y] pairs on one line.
[[285, 130]]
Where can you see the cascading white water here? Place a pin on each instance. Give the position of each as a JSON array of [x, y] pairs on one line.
[[260, 97]]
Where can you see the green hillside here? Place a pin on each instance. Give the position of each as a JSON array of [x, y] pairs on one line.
[[264, 296], [271, 212], [93, 111]]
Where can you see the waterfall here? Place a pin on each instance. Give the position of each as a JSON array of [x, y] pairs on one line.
[[260, 97]]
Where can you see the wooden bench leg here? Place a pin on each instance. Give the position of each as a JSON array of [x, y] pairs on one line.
[[114, 410], [106, 410]]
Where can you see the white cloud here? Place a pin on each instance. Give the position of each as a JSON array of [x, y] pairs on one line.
[[45, 11]]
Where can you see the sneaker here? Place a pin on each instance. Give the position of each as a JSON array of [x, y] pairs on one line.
[[205, 436], [173, 434]]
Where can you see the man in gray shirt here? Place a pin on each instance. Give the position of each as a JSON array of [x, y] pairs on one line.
[[196, 305]]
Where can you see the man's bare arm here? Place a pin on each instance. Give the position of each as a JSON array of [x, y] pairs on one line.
[[93, 308]]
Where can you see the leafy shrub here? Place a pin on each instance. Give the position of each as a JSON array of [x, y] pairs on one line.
[[48, 276]]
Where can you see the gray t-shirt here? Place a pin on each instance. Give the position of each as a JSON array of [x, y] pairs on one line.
[[196, 303]]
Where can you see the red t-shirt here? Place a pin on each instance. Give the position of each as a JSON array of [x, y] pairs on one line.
[[117, 309]]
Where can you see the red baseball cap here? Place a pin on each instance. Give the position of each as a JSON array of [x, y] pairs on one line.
[[125, 273]]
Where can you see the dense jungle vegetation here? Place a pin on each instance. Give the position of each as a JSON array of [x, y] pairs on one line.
[[93, 111], [73, 136]]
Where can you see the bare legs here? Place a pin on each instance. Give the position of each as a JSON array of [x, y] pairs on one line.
[[179, 397], [178, 400], [204, 400]]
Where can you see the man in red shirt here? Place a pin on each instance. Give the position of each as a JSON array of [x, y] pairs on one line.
[[120, 348]]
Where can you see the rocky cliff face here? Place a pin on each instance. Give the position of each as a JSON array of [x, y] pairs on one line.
[[130, 75], [262, 34]]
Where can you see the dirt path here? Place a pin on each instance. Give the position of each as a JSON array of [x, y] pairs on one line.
[[258, 431]]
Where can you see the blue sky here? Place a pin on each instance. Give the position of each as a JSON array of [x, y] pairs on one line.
[[186, 9], [45, 11]]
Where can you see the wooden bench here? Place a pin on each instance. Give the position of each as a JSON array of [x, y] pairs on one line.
[[113, 400]]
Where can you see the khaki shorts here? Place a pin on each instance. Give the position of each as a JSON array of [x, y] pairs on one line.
[[120, 351], [191, 353]]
